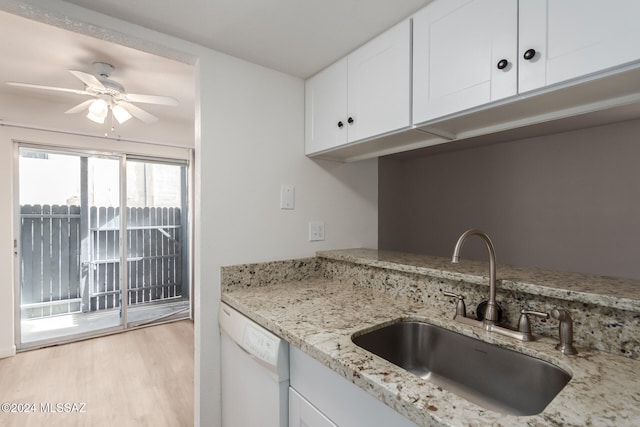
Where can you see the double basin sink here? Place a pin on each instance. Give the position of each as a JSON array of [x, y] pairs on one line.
[[495, 378]]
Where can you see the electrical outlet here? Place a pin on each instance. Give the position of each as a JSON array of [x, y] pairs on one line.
[[316, 231]]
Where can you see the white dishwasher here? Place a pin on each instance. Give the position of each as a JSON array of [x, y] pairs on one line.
[[254, 373]]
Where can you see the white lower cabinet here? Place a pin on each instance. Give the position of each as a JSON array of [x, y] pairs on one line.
[[320, 397], [303, 414]]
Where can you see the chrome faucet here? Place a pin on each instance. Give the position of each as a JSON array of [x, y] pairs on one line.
[[491, 313], [490, 321]]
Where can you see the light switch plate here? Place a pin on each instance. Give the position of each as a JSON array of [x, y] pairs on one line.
[[287, 197], [316, 231]]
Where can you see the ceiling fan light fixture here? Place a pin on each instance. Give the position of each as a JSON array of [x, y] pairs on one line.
[[107, 95], [120, 113], [98, 111]]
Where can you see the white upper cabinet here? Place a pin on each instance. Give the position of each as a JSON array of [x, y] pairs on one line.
[[464, 55], [460, 69], [326, 108], [366, 94], [574, 38], [379, 98], [469, 53]]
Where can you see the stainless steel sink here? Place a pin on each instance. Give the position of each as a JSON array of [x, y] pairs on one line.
[[487, 375]]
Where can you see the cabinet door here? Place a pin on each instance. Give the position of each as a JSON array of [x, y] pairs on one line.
[[304, 414], [574, 38], [457, 45], [343, 402], [325, 108], [379, 83]]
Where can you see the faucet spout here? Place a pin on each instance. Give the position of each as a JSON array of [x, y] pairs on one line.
[[491, 313]]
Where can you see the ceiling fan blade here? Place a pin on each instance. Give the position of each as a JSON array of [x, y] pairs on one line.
[[88, 79], [151, 99], [80, 107], [58, 89], [138, 112]]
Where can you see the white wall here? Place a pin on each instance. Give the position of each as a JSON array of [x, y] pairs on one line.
[[249, 140], [256, 144], [7, 347]]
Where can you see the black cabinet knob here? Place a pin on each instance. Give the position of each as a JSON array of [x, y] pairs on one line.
[[350, 120], [502, 64], [340, 124], [529, 54]]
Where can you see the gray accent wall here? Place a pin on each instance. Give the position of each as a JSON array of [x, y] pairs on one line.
[[568, 201]]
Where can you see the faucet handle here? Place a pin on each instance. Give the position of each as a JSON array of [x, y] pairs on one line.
[[535, 313], [524, 326], [461, 308]]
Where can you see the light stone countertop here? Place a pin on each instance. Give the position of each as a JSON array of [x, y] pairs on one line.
[[615, 292], [319, 316]]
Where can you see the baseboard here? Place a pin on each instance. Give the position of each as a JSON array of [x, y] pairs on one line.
[[7, 352]]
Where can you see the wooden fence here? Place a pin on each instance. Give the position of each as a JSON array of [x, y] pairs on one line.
[[68, 266]]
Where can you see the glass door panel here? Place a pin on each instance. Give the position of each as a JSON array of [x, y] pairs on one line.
[[157, 241], [69, 247]]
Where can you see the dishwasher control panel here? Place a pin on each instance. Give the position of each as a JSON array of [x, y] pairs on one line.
[[260, 344]]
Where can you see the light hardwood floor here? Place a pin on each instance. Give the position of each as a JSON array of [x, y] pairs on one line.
[[138, 378]]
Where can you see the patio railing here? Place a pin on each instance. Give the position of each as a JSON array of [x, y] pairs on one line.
[[70, 266]]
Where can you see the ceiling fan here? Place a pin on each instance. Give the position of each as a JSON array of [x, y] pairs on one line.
[[107, 95]]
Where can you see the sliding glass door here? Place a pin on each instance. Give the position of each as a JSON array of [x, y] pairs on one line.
[[103, 244]]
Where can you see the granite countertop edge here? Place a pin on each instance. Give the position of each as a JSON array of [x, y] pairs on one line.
[[614, 292], [319, 316]]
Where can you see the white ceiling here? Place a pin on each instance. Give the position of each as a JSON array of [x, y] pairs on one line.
[[43, 54], [297, 37]]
